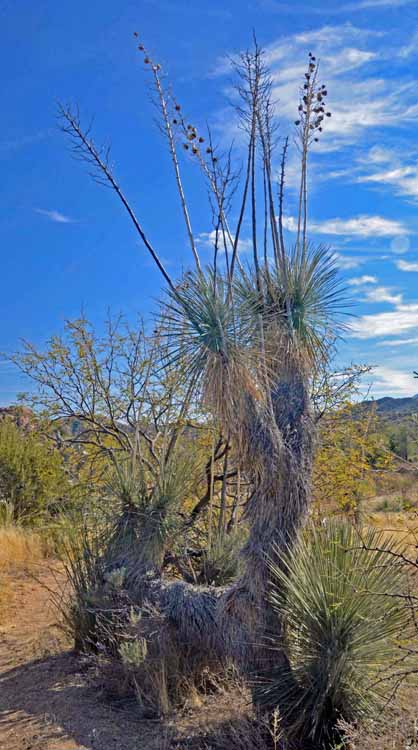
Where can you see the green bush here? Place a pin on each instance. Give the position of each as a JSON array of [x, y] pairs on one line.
[[336, 596], [32, 475]]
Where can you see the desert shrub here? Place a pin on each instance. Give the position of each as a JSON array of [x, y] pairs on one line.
[[160, 673], [389, 505], [395, 729], [32, 474], [343, 622], [144, 511], [138, 650]]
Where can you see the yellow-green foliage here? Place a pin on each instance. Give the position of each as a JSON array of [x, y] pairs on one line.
[[32, 475], [351, 452]]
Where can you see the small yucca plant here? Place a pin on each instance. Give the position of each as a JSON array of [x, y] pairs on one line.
[[144, 513], [81, 553], [342, 627], [221, 561]]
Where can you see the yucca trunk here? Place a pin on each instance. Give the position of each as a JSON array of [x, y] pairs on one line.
[[279, 446]]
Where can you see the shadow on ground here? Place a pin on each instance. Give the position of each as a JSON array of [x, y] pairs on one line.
[[47, 704]]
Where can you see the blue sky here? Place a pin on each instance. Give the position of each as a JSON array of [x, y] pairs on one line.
[[66, 243]]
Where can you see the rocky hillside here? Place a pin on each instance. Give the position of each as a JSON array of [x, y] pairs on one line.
[[395, 407]]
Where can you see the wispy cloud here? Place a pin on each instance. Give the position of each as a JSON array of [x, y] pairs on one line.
[[383, 168], [409, 49], [391, 382], [402, 319], [382, 294], [357, 5], [362, 280], [405, 265], [358, 226], [367, 286], [55, 216], [9, 147], [207, 240], [348, 262], [404, 179], [362, 95], [398, 342]]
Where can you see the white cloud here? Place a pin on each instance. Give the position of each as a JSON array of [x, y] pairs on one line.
[[373, 293], [55, 216], [398, 342], [391, 382], [404, 318], [207, 240], [348, 262], [383, 168], [359, 226], [361, 280], [383, 294], [379, 155], [405, 265], [411, 48], [359, 99], [403, 178], [366, 92]]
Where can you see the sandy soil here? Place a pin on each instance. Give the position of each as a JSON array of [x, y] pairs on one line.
[[46, 702]]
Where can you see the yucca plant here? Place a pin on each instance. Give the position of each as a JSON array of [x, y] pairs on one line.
[[300, 301], [144, 511], [204, 333], [248, 340], [81, 554], [337, 595]]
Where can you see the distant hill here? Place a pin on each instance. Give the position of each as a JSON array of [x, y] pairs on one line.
[[22, 416], [394, 407]]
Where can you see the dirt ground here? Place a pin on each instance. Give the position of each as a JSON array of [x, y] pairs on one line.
[[48, 700], [46, 703]]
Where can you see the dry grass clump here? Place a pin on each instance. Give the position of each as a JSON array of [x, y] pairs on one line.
[[395, 729], [20, 549], [243, 733]]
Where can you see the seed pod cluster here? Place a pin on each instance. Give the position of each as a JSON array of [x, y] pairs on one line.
[[189, 134], [312, 109], [147, 59], [191, 139]]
